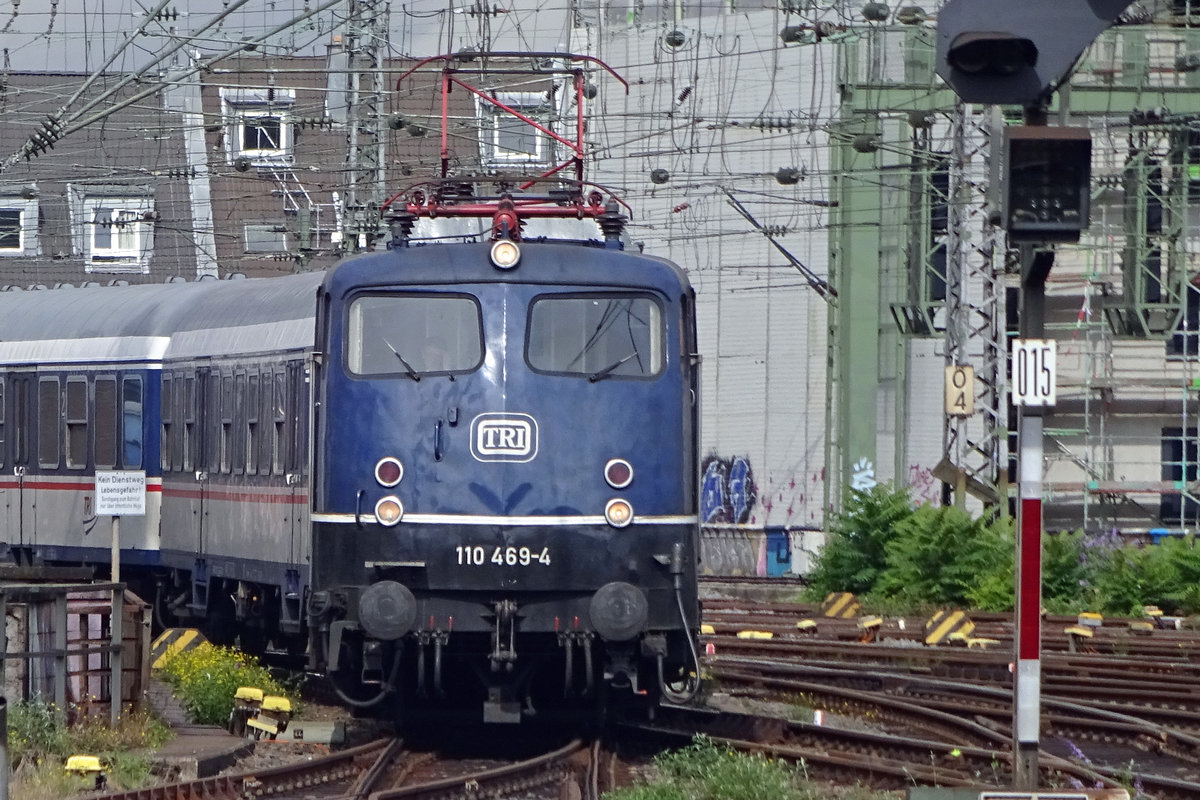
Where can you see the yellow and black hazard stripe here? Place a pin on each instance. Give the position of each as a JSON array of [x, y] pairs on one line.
[[172, 641], [944, 624], [841, 605]]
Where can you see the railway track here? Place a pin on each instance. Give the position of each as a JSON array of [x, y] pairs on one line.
[[384, 770], [965, 716]]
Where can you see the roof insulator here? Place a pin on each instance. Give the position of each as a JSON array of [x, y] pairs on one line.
[[788, 176], [875, 12]]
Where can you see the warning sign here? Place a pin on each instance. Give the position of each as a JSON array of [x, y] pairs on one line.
[[121, 493]]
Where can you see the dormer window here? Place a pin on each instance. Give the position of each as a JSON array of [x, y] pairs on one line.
[[259, 126], [506, 140], [113, 227], [19, 223]]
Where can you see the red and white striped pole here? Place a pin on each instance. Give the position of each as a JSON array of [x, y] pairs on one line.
[[1033, 379], [1028, 676]]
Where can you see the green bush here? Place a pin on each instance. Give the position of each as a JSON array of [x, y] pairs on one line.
[[855, 553], [897, 557], [206, 678], [940, 555]]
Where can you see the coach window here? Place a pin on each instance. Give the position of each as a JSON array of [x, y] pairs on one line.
[[168, 426], [252, 406], [106, 423], [211, 416], [238, 432], [48, 422], [226, 432], [3, 441], [414, 335], [131, 416], [267, 418], [77, 421], [279, 454], [595, 336], [190, 440], [298, 398]]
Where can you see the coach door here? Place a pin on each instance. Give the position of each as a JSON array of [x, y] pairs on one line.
[[207, 393], [20, 506]]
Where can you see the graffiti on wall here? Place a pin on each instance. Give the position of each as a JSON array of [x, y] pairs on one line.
[[923, 486], [728, 492]]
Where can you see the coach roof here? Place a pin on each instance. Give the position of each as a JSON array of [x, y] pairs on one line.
[[154, 309]]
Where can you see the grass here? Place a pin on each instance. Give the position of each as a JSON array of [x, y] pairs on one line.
[[705, 771], [40, 740]]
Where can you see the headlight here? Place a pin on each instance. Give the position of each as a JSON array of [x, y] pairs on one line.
[[388, 511], [618, 512], [389, 471], [619, 473], [505, 254]]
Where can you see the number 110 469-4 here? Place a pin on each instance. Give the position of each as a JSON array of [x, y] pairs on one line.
[[509, 556]]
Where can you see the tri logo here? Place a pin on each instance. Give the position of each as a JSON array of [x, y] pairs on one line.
[[499, 436]]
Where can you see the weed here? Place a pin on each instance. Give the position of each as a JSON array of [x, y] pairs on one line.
[[40, 740], [706, 771], [207, 677]]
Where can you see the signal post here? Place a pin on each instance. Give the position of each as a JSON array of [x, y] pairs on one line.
[[1017, 53]]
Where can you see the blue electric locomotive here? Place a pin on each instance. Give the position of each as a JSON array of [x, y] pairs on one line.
[[455, 474], [505, 472]]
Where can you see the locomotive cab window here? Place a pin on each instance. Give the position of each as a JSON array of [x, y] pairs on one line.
[[414, 335], [596, 336]]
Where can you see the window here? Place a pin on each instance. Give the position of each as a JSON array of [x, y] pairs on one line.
[[77, 422], [113, 227], [506, 139], [190, 440], [10, 229], [2, 442], [19, 223], [239, 428], [267, 417], [131, 397], [1186, 339], [297, 461], [597, 336], [106, 423], [48, 422], [279, 438], [212, 422], [414, 335], [1179, 454], [167, 415], [21, 421], [252, 408], [225, 443], [259, 125]]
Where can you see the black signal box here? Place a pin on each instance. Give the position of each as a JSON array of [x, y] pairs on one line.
[[1047, 183]]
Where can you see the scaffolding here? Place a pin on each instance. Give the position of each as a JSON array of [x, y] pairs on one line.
[[1122, 444]]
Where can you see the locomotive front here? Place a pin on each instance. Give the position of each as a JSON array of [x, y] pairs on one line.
[[505, 504]]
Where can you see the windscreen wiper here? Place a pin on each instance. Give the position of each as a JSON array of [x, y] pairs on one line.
[[604, 373], [408, 368]]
